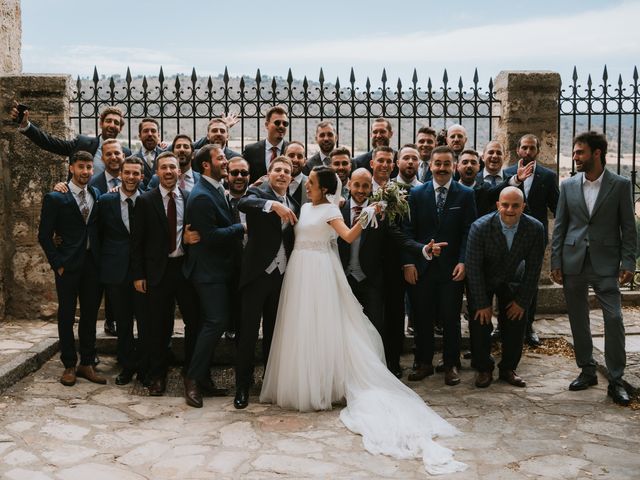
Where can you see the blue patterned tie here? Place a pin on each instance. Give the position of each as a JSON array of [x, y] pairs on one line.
[[442, 196]]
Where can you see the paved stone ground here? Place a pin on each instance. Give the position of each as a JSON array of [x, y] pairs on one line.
[[48, 431]]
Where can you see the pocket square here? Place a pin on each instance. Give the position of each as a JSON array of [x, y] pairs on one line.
[[455, 208]]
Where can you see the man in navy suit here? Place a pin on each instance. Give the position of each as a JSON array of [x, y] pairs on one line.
[[504, 258], [340, 162], [111, 123], [217, 133], [541, 197], [112, 156], [183, 150], [297, 188], [261, 154], [381, 133], [73, 217], [149, 134], [426, 142], [271, 214], [157, 257], [326, 139], [441, 210], [116, 215], [209, 265]]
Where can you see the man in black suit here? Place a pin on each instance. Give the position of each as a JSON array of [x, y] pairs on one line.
[[486, 195], [115, 220], [111, 123], [209, 265], [541, 195], [326, 139], [271, 214], [504, 258], [157, 257], [341, 163], [493, 157], [381, 133], [440, 209], [73, 217], [217, 133], [183, 150], [426, 142], [295, 152], [149, 134], [262, 153]]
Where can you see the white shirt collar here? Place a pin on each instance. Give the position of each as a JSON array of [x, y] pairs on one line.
[[123, 196], [76, 189], [597, 181], [213, 182], [500, 174], [447, 185], [164, 192], [269, 146], [353, 203]]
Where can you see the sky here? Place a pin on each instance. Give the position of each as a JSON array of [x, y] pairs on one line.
[[71, 36]]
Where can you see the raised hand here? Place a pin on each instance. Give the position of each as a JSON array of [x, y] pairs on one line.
[[15, 113], [524, 172], [230, 120], [284, 212]]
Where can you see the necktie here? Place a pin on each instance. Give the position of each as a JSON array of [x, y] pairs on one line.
[[84, 206], [183, 182], [357, 210], [149, 158], [274, 153], [130, 208], [442, 196], [234, 209], [115, 182], [172, 218], [493, 179]]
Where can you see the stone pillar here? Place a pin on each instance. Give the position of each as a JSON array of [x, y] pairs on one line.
[[26, 281], [528, 104], [10, 37]]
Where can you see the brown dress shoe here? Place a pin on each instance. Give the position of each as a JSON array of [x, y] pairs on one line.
[[451, 376], [419, 372], [512, 377], [87, 371], [192, 394], [157, 387], [483, 379], [68, 378]]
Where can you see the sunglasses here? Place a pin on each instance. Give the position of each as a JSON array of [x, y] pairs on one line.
[[284, 123], [235, 173]]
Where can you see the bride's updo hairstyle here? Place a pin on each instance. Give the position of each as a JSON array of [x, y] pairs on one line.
[[327, 179]]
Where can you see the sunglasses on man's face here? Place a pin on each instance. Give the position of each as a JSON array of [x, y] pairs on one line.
[[284, 123], [236, 173]]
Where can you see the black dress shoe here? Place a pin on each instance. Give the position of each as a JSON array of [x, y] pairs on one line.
[[110, 328], [192, 394], [438, 330], [419, 372], [532, 339], [125, 377], [618, 394], [157, 387], [483, 379], [583, 382], [209, 389], [241, 399]]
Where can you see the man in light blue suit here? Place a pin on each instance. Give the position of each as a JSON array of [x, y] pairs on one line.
[[594, 244]]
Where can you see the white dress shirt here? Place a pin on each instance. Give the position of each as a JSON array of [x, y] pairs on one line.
[[528, 181], [268, 153], [590, 190], [179, 251], [436, 185], [189, 181]]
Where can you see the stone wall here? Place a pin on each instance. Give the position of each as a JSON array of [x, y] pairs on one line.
[[26, 282], [10, 37]]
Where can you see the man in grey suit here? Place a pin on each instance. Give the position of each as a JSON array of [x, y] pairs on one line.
[[594, 244]]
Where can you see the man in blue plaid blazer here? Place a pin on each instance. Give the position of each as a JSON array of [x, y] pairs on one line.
[[504, 258]]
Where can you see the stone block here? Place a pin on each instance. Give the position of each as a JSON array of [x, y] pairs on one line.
[[10, 37]]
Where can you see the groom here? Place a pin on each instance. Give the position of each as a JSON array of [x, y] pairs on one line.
[[271, 214]]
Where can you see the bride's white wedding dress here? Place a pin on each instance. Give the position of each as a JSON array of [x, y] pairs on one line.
[[325, 349]]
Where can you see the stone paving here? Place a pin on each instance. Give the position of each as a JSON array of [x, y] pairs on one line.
[[48, 431]]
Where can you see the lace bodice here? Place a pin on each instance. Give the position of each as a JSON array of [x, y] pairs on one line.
[[312, 230]]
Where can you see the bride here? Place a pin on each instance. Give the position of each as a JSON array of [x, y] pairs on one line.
[[324, 348]]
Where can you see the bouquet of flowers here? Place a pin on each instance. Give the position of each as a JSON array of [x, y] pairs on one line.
[[393, 201]]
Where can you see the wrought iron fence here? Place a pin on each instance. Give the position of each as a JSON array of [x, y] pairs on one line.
[[185, 104]]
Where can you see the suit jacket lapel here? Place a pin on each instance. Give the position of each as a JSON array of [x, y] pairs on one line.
[[71, 199], [118, 214], [430, 199], [575, 186], [222, 199], [159, 206], [605, 187], [498, 235]]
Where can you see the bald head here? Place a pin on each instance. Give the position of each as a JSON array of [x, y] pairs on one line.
[[456, 138], [510, 205], [360, 185]]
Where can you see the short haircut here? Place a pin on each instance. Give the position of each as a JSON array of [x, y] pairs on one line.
[[147, 120], [164, 155], [340, 151], [596, 141], [112, 111], [409, 145], [456, 125], [239, 159], [204, 154], [469, 151], [529, 136], [217, 120], [381, 148], [443, 149], [324, 124], [427, 130], [278, 109], [81, 156], [133, 160], [110, 141], [179, 137], [382, 119], [280, 159], [293, 142]]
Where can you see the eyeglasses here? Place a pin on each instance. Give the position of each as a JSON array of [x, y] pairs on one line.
[[235, 173], [284, 123]]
